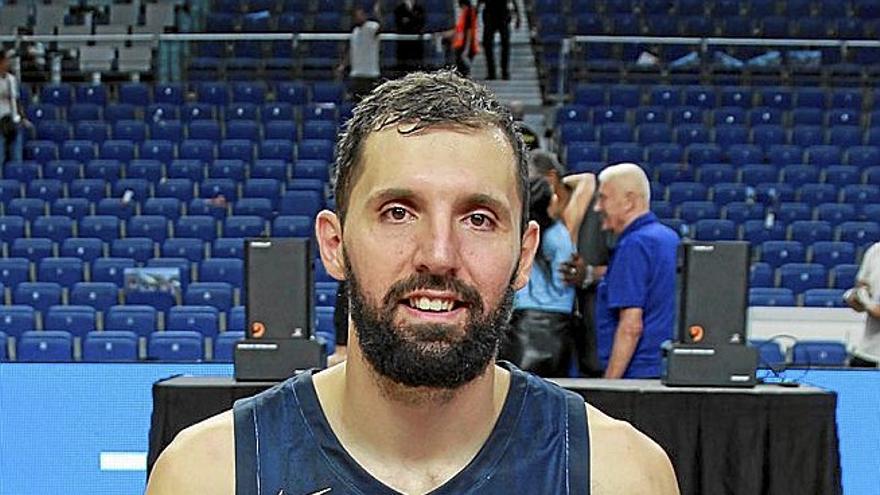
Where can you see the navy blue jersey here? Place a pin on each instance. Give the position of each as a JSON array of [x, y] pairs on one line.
[[285, 446]]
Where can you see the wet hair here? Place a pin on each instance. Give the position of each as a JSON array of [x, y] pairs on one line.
[[544, 162], [422, 100]]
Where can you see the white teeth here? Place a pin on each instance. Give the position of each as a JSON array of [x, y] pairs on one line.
[[427, 304]]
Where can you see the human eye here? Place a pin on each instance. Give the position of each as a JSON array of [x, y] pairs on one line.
[[396, 214], [480, 221]]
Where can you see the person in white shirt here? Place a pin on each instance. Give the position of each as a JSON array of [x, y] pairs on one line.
[[865, 297], [12, 117], [363, 52]]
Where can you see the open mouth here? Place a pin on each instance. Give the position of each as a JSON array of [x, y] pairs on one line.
[[433, 304]]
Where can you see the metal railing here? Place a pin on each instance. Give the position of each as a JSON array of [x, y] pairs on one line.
[[703, 45]]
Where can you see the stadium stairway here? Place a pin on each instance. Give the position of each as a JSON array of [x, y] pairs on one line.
[[523, 84]]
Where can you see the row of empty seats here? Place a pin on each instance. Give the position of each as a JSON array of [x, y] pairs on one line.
[[801, 354]]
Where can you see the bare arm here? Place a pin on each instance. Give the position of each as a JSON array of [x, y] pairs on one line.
[[626, 339], [200, 460], [583, 186], [623, 460]]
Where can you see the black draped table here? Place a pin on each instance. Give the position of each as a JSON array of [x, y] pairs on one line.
[[767, 440]]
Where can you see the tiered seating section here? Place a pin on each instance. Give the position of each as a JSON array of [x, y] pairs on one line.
[[794, 171], [311, 59], [145, 177]]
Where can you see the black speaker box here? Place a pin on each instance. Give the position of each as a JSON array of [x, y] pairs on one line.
[[699, 365], [276, 360], [278, 284], [714, 292]]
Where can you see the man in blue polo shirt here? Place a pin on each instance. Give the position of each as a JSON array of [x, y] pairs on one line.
[[635, 304]]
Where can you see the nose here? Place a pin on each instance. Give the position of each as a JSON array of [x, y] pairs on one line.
[[437, 250]]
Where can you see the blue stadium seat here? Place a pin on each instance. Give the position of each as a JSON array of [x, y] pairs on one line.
[[311, 149], [294, 93], [154, 227], [785, 154], [196, 226], [89, 130], [311, 169], [228, 247], [170, 130], [118, 149], [65, 271], [91, 189], [807, 117], [11, 228], [198, 149], [215, 187], [306, 203], [824, 155], [54, 227], [757, 231], [57, 94], [729, 192], [104, 227], [325, 293], [810, 231], [138, 319], [40, 295], [832, 253], [172, 93], [130, 130], [25, 208], [157, 149], [769, 296], [816, 194], [236, 149], [688, 134], [279, 149], [213, 93], [115, 112], [774, 191], [691, 211], [765, 116], [278, 110], [819, 353], [224, 345], [139, 249], [324, 328], [261, 207], [161, 300], [181, 189], [50, 135], [679, 192], [116, 207], [175, 346], [292, 226], [17, 319], [743, 211], [202, 319], [229, 270], [863, 156], [859, 233], [244, 226], [807, 135], [76, 320], [248, 130], [161, 111], [828, 298], [768, 135], [110, 346], [761, 275], [248, 92], [237, 319], [98, 295], [32, 248], [45, 189], [216, 294], [165, 207], [84, 248], [148, 169], [835, 213], [42, 112], [45, 347], [802, 276], [860, 194], [715, 230], [280, 129], [769, 353], [63, 170], [777, 253], [192, 249], [845, 136], [110, 170], [844, 276], [111, 270], [84, 111]]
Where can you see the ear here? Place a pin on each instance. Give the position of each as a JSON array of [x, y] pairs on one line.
[[529, 246], [328, 232]]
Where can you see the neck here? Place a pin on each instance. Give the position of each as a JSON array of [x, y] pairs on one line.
[[373, 416], [632, 218]]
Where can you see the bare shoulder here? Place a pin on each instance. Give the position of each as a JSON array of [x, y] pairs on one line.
[[625, 460], [200, 460]]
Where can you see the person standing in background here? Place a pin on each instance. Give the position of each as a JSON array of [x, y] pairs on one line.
[[464, 37], [12, 118], [362, 56], [635, 303], [865, 297], [409, 18], [496, 19]]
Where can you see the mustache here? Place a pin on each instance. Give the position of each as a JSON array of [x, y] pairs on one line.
[[427, 281]]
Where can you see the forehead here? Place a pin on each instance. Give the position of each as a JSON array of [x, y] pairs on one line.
[[451, 161]]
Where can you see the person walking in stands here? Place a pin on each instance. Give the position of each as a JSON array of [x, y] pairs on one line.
[[496, 19], [12, 118], [865, 297], [362, 56], [464, 37], [432, 234], [635, 302]]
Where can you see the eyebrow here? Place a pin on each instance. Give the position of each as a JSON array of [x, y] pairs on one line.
[[390, 194], [485, 200], [400, 193]]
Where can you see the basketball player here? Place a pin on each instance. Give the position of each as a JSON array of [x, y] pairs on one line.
[[432, 237]]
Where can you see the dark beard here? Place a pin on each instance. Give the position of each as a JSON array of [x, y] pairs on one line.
[[427, 355]]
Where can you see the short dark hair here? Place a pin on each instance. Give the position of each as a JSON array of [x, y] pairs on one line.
[[544, 162], [424, 100]]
